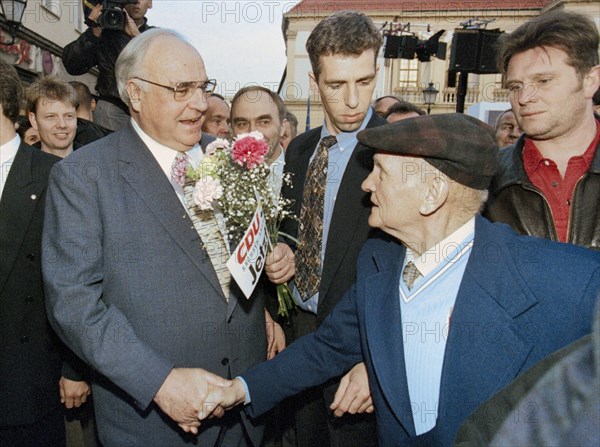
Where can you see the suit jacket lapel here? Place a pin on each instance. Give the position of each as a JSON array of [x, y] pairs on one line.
[[22, 192], [485, 347], [297, 164], [346, 217], [383, 327], [143, 173]]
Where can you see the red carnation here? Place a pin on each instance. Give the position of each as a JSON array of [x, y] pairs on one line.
[[250, 150]]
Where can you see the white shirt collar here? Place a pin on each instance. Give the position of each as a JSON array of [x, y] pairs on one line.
[[8, 150], [439, 253], [164, 155], [281, 158]]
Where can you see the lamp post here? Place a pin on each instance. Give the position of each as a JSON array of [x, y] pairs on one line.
[[13, 11], [429, 96]]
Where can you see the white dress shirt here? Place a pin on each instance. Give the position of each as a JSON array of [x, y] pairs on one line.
[[165, 156]]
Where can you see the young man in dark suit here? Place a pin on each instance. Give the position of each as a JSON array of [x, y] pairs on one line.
[[31, 383], [333, 214]]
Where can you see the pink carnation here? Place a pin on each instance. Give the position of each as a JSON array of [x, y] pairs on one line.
[[219, 143], [249, 150], [207, 190]]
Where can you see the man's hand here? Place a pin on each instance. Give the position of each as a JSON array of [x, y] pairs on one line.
[[131, 28], [227, 397], [183, 396], [73, 393], [275, 336], [93, 17], [353, 395], [281, 264]]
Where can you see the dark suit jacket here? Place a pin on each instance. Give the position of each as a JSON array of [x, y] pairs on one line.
[[349, 228], [520, 299], [30, 362], [132, 291]]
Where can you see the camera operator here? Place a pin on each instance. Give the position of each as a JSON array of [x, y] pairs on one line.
[[101, 47]]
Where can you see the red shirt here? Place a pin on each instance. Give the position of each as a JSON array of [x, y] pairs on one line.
[[544, 175]]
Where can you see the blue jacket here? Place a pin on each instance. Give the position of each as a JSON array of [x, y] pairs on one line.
[[520, 299]]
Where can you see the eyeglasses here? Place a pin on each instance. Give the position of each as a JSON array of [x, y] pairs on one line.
[[186, 89]]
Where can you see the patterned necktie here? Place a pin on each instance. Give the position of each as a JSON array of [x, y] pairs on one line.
[[310, 233], [410, 274], [179, 167]]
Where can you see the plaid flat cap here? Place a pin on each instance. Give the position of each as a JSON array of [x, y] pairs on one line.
[[462, 147]]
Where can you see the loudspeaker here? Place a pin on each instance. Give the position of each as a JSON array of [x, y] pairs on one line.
[[451, 79], [463, 54], [475, 51], [488, 52], [392, 43], [441, 51], [400, 47]]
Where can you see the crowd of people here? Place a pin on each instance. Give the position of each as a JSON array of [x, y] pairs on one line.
[[445, 272]]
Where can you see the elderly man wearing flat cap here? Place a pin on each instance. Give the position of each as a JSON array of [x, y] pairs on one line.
[[447, 311]]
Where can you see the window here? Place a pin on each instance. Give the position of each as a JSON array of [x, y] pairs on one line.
[[408, 73], [79, 17], [52, 6]]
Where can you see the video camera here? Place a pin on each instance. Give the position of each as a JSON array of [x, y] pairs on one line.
[[112, 16]]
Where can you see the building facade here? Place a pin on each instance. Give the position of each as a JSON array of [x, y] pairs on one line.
[[47, 26], [408, 78]]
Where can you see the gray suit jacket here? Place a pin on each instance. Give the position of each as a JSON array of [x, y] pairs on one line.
[[131, 290]]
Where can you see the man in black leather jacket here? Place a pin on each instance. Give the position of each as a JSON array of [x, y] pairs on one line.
[[101, 47], [548, 184]]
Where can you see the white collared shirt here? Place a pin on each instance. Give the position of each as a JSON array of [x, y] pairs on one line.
[[165, 156], [428, 261], [8, 151]]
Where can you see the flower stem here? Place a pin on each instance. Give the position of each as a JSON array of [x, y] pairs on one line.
[[285, 299]]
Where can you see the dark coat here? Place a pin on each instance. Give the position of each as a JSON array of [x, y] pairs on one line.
[[89, 51], [88, 132], [30, 358]]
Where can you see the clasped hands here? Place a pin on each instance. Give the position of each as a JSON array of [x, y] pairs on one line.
[[190, 395]]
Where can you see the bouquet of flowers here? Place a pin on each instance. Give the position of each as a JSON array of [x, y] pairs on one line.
[[233, 177]]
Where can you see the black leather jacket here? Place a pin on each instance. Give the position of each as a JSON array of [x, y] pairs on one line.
[[89, 51], [515, 201]]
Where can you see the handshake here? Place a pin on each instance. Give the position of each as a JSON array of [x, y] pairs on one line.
[[190, 395]]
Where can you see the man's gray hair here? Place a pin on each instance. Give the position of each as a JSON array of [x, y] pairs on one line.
[[130, 62], [465, 201]]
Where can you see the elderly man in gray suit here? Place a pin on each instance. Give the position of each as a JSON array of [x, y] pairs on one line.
[[135, 286]]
